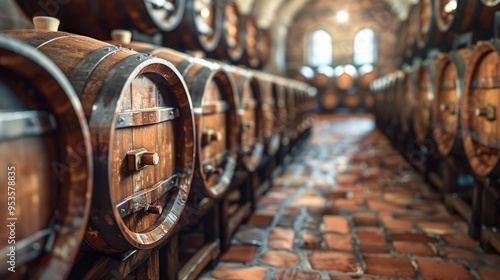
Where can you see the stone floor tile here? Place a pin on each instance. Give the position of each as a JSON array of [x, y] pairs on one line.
[[280, 258], [260, 220], [489, 273], [437, 270], [456, 253], [310, 201], [412, 248], [335, 224], [436, 228], [240, 253], [336, 261], [370, 237], [460, 240], [293, 274], [389, 266], [338, 242], [281, 238], [384, 206], [241, 273], [412, 237]]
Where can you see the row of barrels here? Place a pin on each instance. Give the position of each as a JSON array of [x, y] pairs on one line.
[[435, 24], [340, 87], [451, 99], [215, 27], [107, 143]]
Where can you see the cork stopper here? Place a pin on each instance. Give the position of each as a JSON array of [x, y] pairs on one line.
[[121, 36], [46, 23]]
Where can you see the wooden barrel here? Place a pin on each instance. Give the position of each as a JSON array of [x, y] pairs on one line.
[[424, 99], [449, 87], [97, 18], [272, 127], [351, 99], [290, 132], [249, 107], [392, 99], [212, 92], [311, 93], [378, 91], [249, 33], [231, 46], [329, 99], [263, 46], [406, 98], [411, 31], [480, 127], [486, 18], [200, 28], [141, 119], [428, 34], [366, 77], [46, 165], [323, 77], [456, 15], [345, 77], [280, 113], [304, 74]]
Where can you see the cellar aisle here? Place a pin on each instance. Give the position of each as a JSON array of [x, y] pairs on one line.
[[348, 207]]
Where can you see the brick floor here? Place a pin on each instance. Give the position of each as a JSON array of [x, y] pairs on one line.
[[349, 207]]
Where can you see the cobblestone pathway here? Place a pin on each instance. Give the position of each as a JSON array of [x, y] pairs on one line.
[[349, 207]]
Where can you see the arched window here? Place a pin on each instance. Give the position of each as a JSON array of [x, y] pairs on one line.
[[365, 47], [320, 48]]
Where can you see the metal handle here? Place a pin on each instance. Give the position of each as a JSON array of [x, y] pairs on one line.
[[489, 112], [140, 159], [451, 109], [209, 169], [149, 209], [209, 136], [247, 125]]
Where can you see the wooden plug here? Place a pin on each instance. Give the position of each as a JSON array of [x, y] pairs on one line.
[[121, 36], [46, 23]]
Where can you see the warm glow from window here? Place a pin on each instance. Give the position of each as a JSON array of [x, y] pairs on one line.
[[320, 48], [365, 47], [342, 16]]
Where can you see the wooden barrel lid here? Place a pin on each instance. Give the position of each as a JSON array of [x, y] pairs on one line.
[[480, 131], [450, 71], [264, 46], [47, 162], [251, 57], [367, 76], [407, 89], [329, 99], [424, 98], [214, 98], [455, 15], [201, 27], [352, 100], [231, 46], [491, 3], [272, 129], [215, 102], [251, 116]]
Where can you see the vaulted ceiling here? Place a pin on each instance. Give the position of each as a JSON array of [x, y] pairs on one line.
[[267, 14]]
